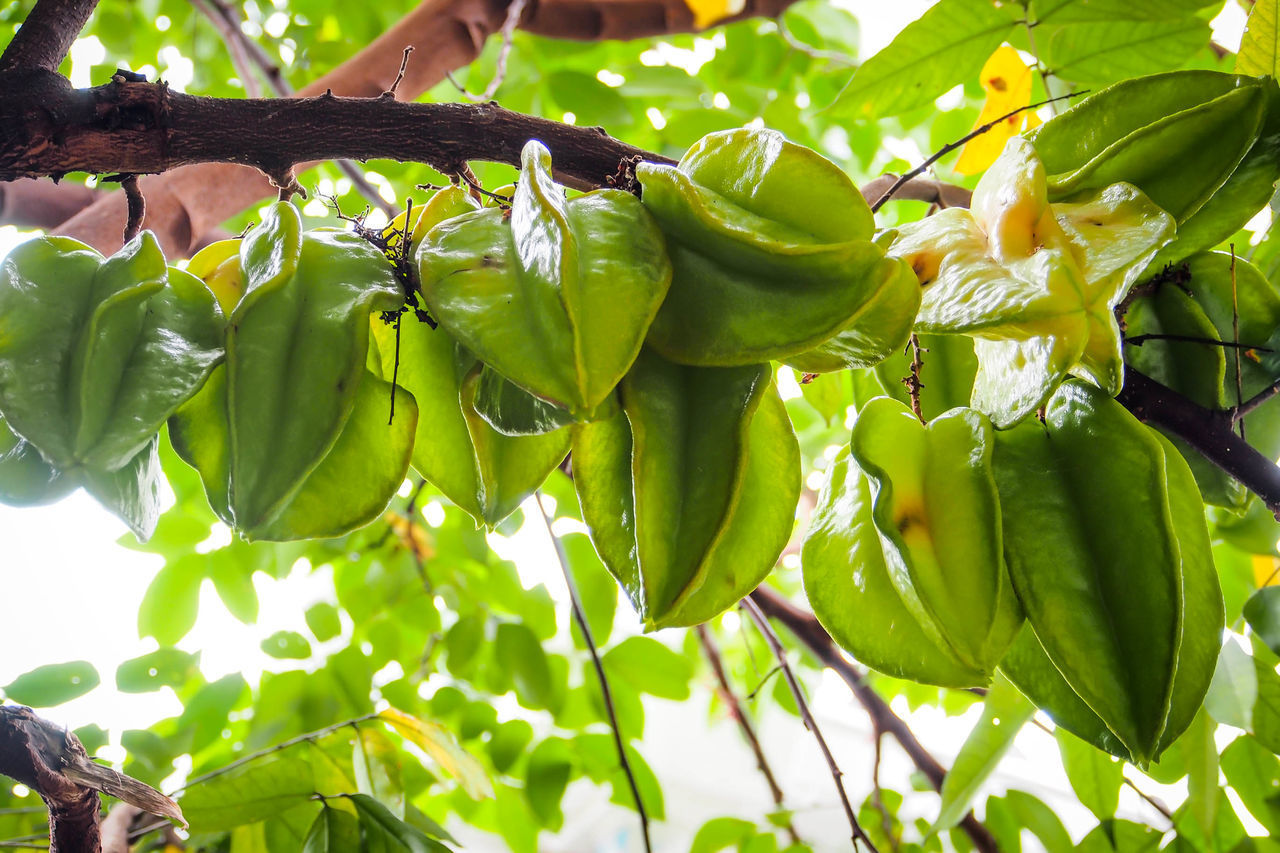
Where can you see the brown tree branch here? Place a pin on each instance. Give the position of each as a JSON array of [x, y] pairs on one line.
[[1209, 432], [187, 203], [739, 714], [797, 693], [809, 632], [33, 751], [44, 38], [148, 128]]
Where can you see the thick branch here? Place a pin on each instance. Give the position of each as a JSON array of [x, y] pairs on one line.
[[147, 128], [1207, 431], [33, 751], [808, 631], [44, 38]]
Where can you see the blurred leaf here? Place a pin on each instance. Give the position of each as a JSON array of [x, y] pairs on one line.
[[161, 668], [323, 620], [168, 610], [52, 684], [550, 768], [436, 742], [1003, 715], [1262, 612], [287, 645], [649, 666], [248, 793], [1094, 775], [518, 650]]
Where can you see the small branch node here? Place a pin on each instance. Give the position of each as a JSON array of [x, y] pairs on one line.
[[137, 207], [404, 65]]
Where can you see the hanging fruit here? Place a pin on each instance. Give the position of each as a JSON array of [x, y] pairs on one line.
[[554, 294], [903, 561], [689, 489], [772, 254], [95, 354], [294, 437]]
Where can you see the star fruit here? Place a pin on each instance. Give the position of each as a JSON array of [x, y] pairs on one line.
[[1035, 284]]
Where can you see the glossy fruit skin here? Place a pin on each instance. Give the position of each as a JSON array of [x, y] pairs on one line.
[[1109, 554], [907, 535], [95, 354], [554, 294], [689, 489], [1176, 136], [771, 246], [294, 437], [1034, 283]]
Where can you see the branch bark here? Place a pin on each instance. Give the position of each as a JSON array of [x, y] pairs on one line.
[[810, 632], [187, 203], [44, 38], [32, 751]]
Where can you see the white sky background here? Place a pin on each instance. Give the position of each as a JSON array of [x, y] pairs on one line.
[[63, 568]]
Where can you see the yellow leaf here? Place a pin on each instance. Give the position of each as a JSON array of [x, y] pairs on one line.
[[708, 12], [1260, 47], [1007, 81], [1266, 570], [436, 741]]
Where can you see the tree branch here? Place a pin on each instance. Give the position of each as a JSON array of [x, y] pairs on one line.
[[580, 617], [32, 751], [147, 128], [837, 775], [739, 714], [1209, 432], [44, 38], [809, 632]]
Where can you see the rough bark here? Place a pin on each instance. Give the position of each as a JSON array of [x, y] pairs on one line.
[[32, 751], [186, 203]]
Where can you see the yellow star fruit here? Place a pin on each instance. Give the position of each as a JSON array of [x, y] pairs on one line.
[[1035, 284]]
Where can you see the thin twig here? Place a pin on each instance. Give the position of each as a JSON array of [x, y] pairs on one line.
[[1040, 69], [1139, 340], [508, 31], [877, 793], [810, 723], [808, 631], [952, 146], [1235, 337], [739, 714], [580, 617], [271, 750], [1150, 800], [136, 205], [404, 66], [809, 50], [245, 52], [1255, 401], [912, 380]]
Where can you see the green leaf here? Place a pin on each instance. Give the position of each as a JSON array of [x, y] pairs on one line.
[[1003, 714], [1262, 612], [52, 684], [323, 620], [334, 831], [443, 748], [722, 832], [168, 610], [1092, 53], [651, 667], [1094, 775], [1253, 771], [248, 793], [508, 743], [382, 830], [520, 652], [1259, 52], [161, 668], [376, 765], [1234, 689], [945, 47], [287, 645], [547, 775]]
